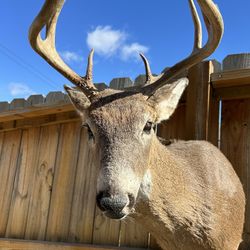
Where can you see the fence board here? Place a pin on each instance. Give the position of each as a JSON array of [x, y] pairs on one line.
[[23, 184], [8, 164], [83, 208], [1, 143], [133, 235], [174, 128], [38, 110], [106, 231], [197, 101], [213, 121], [11, 244], [235, 143], [62, 189], [41, 192]]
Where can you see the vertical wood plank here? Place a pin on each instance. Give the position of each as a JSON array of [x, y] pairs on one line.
[[133, 235], [1, 142], [83, 206], [198, 100], [8, 164], [62, 189], [213, 129], [235, 143], [23, 184], [41, 192], [174, 128], [213, 120], [106, 231]]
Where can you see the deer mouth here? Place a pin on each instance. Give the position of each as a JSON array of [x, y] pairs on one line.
[[115, 216]]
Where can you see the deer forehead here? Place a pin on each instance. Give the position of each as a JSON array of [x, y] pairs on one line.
[[122, 113]]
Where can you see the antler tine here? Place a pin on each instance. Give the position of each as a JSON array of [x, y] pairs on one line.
[[215, 27], [149, 75], [46, 48], [89, 72], [150, 78], [197, 27]]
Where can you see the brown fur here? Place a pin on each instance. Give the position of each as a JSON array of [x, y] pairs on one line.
[[187, 193], [201, 204]]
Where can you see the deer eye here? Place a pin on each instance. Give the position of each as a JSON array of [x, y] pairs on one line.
[[148, 127], [90, 133]]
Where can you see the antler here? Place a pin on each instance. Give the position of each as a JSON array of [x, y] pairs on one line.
[[48, 17], [215, 27]]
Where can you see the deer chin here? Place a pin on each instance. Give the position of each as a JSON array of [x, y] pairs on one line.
[[119, 216]]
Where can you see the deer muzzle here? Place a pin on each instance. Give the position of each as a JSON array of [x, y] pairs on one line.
[[116, 206]]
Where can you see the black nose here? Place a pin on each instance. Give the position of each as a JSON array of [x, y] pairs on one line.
[[112, 205]]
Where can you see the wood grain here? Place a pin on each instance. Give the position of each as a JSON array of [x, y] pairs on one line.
[[197, 102], [14, 244], [40, 121], [41, 192], [34, 111], [1, 143], [231, 78], [236, 61], [24, 181], [213, 119], [232, 93], [174, 128], [106, 231], [133, 235], [8, 164], [83, 203], [235, 143], [63, 184]]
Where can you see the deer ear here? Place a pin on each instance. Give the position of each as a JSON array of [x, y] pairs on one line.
[[78, 98], [166, 98]]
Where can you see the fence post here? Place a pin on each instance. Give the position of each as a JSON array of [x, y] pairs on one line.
[[202, 110]]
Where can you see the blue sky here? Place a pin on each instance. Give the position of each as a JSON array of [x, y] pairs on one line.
[[162, 29]]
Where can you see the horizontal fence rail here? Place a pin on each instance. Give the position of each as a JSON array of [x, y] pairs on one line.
[[13, 244]]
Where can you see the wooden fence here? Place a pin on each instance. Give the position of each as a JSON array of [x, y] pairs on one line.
[[48, 173]]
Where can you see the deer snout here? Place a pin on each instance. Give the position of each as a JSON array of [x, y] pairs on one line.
[[115, 206]]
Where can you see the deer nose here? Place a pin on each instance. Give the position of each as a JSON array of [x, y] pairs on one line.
[[112, 206]]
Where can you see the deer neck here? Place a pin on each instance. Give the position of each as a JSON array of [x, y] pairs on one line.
[[165, 212]]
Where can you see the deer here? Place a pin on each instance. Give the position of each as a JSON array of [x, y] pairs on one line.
[[186, 194]]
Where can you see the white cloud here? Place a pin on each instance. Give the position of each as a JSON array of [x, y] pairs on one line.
[[69, 56], [108, 42], [105, 40], [20, 89], [132, 51]]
